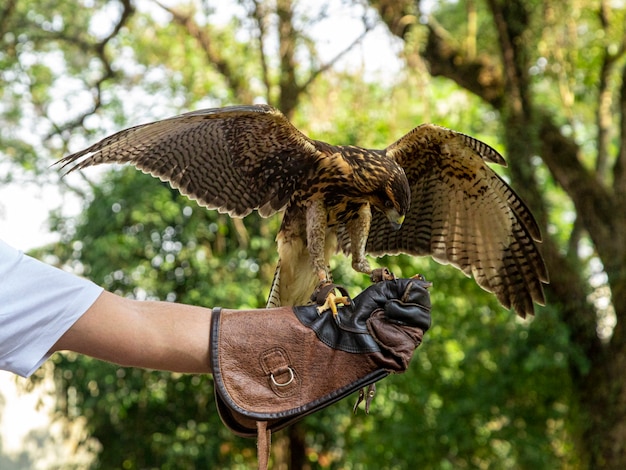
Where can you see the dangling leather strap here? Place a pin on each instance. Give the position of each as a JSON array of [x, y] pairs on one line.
[[368, 396], [263, 444]]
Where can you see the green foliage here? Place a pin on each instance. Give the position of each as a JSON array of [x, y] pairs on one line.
[[485, 390], [140, 238]]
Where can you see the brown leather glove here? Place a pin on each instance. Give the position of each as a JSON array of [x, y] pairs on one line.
[[272, 367]]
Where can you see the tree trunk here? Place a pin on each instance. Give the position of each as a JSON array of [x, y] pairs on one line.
[[503, 82]]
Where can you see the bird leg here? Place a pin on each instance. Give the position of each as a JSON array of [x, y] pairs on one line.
[[359, 228], [327, 299], [382, 274], [324, 294]]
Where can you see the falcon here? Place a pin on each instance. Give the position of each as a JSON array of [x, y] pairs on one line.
[[429, 193]]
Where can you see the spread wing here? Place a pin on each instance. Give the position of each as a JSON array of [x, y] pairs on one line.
[[464, 214], [234, 159]]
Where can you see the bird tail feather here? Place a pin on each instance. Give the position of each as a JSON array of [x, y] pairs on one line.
[[273, 299]]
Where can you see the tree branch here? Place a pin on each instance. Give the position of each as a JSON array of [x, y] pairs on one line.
[[619, 181], [511, 21], [287, 37], [604, 113], [289, 88], [593, 203], [479, 76], [5, 15], [398, 15], [604, 118], [233, 79], [100, 50], [259, 16], [315, 73]]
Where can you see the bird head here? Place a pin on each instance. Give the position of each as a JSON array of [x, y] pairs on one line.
[[395, 218], [392, 195], [397, 199], [382, 182]]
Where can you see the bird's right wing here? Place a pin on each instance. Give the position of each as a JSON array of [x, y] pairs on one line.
[[464, 214], [235, 159]]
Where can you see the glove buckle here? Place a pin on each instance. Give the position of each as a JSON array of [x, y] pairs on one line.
[[284, 384]]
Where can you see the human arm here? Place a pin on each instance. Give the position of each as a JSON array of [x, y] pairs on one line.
[[148, 334], [44, 309]]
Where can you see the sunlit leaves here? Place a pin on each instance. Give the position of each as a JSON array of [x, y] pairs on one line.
[[485, 390]]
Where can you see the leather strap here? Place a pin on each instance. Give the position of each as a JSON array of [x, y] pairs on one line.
[[263, 444]]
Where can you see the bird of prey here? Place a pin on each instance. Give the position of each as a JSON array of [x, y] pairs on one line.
[[429, 193]]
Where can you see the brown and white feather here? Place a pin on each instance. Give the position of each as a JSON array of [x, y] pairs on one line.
[[236, 159], [244, 158], [464, 214]]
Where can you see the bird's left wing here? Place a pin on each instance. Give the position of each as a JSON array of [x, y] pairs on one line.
[[464, 214], [235, 159]]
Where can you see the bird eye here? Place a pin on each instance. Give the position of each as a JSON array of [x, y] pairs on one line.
[[389, 204]]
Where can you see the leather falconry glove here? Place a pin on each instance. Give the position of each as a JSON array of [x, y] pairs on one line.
[[272, 367]]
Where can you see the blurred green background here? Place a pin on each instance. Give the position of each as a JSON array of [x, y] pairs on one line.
[[543, 82]]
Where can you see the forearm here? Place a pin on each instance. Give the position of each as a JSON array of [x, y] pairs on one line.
[[153, 335]]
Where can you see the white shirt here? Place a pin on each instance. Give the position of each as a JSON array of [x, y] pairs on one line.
[[38, 304]]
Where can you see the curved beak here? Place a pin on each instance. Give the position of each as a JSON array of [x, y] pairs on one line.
[[395, 219]]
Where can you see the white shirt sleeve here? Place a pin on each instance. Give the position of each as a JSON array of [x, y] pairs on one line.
[[38, 304]]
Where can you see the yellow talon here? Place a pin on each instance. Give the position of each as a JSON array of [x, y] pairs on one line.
[[331, 303]]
